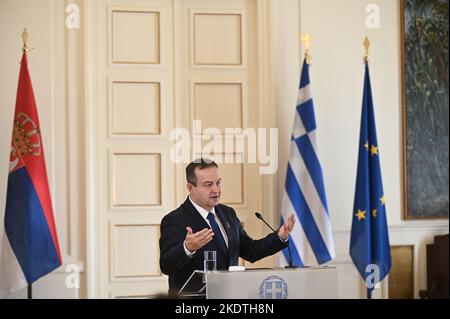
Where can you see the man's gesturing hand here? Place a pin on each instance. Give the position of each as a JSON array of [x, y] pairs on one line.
[[287, 227], [199, 239]]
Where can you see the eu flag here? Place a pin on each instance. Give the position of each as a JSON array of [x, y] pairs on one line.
[[369, 243]]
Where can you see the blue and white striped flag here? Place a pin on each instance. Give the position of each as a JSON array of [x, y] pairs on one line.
[[311, 240]]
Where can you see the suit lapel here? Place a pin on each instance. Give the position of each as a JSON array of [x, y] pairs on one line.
[[224, 220], [226, 225], [198, 223]]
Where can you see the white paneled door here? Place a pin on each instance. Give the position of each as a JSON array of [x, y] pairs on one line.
[[152, 66]]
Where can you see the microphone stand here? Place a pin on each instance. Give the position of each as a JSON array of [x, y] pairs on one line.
[[291, 265]]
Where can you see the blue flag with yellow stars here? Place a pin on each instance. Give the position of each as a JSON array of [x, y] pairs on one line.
[[369, 243]]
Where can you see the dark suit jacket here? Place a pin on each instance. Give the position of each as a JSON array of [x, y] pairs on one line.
[[174, 261]]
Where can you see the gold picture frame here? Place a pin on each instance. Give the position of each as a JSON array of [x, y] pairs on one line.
[[424, 53]]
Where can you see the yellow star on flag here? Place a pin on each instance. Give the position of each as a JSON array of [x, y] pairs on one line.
[[374, 150], [382, 200], [374, 213], [361, 214], [366, 146]]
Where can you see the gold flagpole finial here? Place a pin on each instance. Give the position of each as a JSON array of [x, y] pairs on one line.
[[367, 47], [25, 40], [306, 40]]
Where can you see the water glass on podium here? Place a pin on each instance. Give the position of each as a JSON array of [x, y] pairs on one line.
[[210, 262]]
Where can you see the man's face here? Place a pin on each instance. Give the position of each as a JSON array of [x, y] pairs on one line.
[[207, 192]]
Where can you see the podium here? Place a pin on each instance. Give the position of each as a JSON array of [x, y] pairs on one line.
[[281, 283]]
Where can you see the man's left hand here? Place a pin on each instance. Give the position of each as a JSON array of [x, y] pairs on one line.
[[287, 227]]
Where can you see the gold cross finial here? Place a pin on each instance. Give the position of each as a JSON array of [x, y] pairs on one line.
[[366, 46], [25, 40], [306, 40]]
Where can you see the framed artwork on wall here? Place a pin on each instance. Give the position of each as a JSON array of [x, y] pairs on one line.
[[424, 28]]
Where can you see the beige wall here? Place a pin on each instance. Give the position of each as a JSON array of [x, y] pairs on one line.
[[338, 27]]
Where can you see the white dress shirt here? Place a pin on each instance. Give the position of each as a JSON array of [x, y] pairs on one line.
[[204, 213]]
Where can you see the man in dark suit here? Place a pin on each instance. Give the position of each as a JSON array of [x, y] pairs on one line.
[[202, 224]]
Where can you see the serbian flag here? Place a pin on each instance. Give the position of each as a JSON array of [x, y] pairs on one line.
[[30, 246]]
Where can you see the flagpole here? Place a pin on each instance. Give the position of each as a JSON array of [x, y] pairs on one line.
[[25, 50], [30, 291], [366, 44]]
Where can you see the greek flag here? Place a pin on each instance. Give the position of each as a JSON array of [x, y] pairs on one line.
[[311, 240]]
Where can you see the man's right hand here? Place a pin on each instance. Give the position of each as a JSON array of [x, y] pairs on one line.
[[195, 241]]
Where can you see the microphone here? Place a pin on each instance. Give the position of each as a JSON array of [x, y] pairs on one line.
[[291, 265]]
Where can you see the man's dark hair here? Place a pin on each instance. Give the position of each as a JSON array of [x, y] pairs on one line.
[[201, 163]]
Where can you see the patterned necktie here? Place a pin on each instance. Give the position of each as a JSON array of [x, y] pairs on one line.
[[217, 233]]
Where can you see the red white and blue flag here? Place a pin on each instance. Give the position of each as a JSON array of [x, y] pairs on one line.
[[30, 246]]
